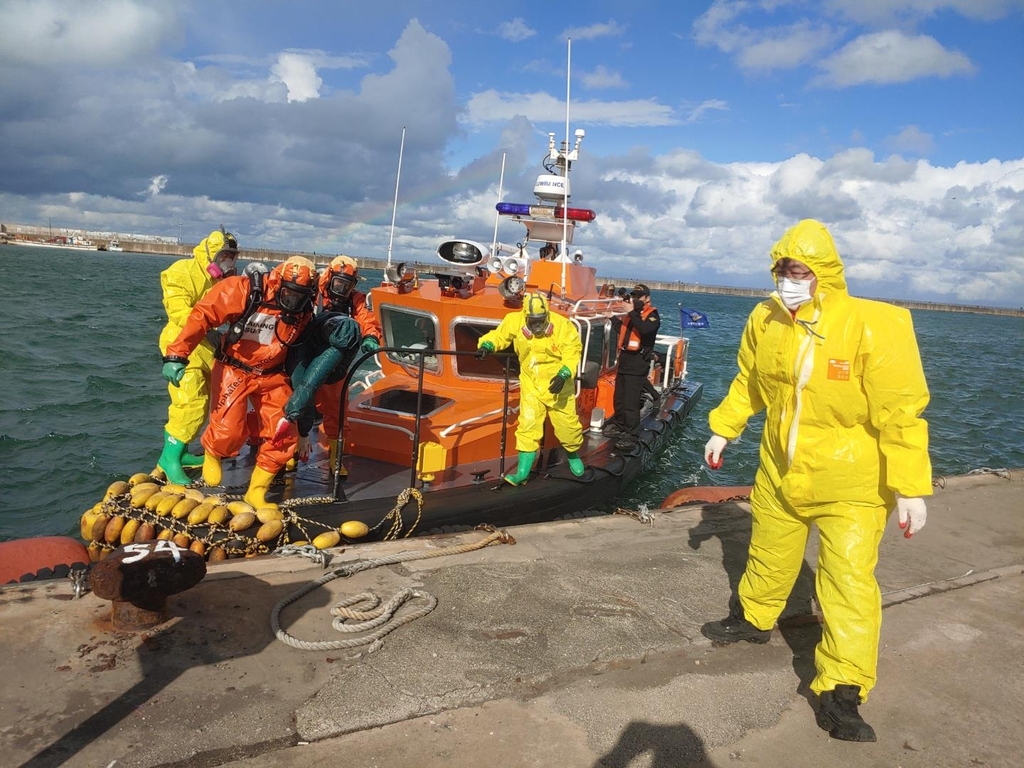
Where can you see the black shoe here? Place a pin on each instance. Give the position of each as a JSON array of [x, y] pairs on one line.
[[734, 628], [625, 442], [837, 714], [611, 429]]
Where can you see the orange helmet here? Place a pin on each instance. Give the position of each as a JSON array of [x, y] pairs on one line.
[[339, 279], [292, 285]]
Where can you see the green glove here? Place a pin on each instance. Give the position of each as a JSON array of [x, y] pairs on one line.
[[369, 344], [558, 380], [173, 372], [484, 349]]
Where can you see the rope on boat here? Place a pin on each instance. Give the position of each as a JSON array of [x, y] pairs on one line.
[[395, 515], [380, 618]]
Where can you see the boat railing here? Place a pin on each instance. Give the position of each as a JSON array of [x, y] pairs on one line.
[[505, 357], [595, 305], [675, 349]]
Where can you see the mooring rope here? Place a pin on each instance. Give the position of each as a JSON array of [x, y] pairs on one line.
[[372, 617]]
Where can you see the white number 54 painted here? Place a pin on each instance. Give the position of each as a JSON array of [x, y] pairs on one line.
[[140, 551]]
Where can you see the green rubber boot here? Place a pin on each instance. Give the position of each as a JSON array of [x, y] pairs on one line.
[[170, 460], [192, 459], [575, 463], [526, 459]]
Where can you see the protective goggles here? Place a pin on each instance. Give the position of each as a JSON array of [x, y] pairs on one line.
[[341, 286], [295, 298]]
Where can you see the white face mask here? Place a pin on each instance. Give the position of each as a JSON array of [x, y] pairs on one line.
[[794, 293]]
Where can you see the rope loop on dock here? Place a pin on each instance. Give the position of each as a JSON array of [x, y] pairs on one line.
[[382, 619]]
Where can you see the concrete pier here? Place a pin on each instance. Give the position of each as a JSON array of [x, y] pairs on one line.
[[577, 646]]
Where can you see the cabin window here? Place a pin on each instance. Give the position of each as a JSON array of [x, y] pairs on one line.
[[613, 344], [410, 329], [595, 350], [467, 334]]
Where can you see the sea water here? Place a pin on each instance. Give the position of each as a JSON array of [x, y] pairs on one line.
[[82, 401]]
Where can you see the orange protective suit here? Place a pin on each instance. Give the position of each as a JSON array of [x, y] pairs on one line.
[[250, 370]]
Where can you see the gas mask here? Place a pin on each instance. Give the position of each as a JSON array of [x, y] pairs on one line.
[[224, 264]]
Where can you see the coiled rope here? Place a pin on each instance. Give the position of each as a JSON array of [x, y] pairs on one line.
[[381, 618]]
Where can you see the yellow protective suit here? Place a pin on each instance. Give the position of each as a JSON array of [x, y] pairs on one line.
[[842, 382], [540, 359], [183, 284]]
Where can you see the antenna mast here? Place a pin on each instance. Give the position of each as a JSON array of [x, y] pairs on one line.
[[497, 216], [394, 211], [565, 170]]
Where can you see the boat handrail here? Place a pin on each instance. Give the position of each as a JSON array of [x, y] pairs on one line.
[[671, 343], [606, 301], [472, 419], [382, 425]]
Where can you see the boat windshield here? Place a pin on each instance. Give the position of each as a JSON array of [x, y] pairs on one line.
[[467, 334], [411, 329]]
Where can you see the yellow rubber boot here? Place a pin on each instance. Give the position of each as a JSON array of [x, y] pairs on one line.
[[333, 445], [258, 485], [212, 473]]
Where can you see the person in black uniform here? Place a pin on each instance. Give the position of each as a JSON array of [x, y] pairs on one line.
[[636, 345]]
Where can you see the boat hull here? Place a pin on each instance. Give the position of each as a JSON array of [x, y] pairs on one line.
[[552, 491]]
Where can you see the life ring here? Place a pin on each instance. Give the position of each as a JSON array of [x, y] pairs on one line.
[[706, 494], [43, 557], [678, 360]]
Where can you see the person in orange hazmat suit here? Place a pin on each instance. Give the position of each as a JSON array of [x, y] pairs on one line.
[[842, 384], [549, 350], [266, 317], [184, 283]]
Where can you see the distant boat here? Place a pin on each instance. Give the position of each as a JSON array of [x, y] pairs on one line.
[[114, 245], [691, 318]]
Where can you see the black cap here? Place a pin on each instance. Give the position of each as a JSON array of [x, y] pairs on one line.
[[640, 290]]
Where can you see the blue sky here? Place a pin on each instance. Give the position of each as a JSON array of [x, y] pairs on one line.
[[711, 127]]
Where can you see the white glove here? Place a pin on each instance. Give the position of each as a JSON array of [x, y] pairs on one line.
[[912, 513], [302, 449], [713, 451]]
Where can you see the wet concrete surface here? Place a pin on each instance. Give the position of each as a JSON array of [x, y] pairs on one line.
[[577, 646]]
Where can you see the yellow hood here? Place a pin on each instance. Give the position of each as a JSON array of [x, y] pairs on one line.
[[810, 242]]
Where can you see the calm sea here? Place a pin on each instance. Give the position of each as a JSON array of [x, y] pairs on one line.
[[82, 402]]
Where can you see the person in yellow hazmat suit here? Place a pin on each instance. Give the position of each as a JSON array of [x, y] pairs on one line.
[[549, 350], [183, 284], [841, 381]]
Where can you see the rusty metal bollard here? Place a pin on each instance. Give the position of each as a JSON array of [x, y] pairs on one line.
[[139, 577]]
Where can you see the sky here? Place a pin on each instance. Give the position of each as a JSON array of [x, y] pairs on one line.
[[711, 127]]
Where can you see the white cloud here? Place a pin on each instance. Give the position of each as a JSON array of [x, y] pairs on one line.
[[890, 11], [786, 48], [704, 107], [602, 77], [156, 185], [763, 48], [98, 34], [594, 31], [515, 31], [298, 74], [891, 57], [911, 140], [493, 106]]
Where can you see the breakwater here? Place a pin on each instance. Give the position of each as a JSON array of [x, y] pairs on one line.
[[164, 246]]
